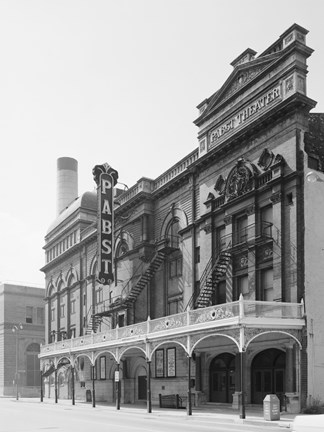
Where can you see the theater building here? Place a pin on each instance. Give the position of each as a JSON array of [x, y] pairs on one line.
[[215, 267]]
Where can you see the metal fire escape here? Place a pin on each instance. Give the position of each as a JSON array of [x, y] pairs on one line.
[[134, 291], [214, 271], [163, 247], [213, 274], [231, 244]]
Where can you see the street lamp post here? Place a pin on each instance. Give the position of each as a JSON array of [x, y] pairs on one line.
[[16, 329]]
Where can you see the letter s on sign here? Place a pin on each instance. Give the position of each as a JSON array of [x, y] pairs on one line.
[[106, 246]]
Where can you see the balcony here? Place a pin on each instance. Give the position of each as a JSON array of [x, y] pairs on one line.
[[250, 235], [168, 244], [242, 313]]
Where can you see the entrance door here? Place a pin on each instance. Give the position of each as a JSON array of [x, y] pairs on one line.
[[268, 375], [222, 378], [142, 387]]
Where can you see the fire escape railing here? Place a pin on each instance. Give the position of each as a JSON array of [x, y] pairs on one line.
[[250, 234]]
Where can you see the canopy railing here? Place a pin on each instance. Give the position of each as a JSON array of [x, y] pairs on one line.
[[232, 313]]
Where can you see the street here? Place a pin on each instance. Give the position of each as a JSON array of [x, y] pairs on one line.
[[30, 415]]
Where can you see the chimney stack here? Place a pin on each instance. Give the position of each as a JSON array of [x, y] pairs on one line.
[[67, 182]]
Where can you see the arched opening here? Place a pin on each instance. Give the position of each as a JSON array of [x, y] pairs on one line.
[[222, 378], [32, 365], [141, 384], [268, 373]]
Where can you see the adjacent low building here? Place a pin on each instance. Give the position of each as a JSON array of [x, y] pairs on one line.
[[22, 330], [216, 292]]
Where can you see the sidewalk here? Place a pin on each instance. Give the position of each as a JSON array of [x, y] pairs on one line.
[[253, 413]]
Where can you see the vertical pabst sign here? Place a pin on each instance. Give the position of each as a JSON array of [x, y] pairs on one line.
[[106, 178]]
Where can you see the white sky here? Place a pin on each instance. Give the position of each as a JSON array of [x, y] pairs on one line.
[[115, 81]]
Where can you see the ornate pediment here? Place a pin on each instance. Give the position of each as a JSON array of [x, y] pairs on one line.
[[241, 76]]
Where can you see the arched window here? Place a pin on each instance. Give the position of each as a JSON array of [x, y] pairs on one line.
[[175, 256], [71, 280], [32, 365], [122, 249]]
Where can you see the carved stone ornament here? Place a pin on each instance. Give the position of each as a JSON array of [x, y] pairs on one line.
[[250, 210], [266, 159], [276, 197], [278, 160], [104, 168], [228, 219], [240, 179], [220, 185], [243, 78], [207, 227]]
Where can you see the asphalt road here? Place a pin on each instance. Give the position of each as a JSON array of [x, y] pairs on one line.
[[34, 416]]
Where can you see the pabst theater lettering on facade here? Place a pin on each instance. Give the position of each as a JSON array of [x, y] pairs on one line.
[[251, 110]]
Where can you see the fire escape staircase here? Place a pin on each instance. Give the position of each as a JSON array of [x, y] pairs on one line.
[[163, 247], [144, 279], [94, 321], [210, 277]]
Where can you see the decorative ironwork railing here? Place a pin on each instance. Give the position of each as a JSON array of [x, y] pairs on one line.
[[233, 313]]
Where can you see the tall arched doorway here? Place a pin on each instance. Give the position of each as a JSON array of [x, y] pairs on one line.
[[222, 378], [32, 365], [268, 373]]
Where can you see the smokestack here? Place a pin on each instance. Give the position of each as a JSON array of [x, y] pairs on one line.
[[67, 182]]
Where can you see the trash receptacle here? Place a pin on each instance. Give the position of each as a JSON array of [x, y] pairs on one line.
[[88, 396], [271, 407]]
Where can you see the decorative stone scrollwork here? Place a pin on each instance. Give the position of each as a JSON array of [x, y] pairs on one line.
[[250, 210], [207, 228], [167, 324], [228, 219], [220, 185], [243, 78], [240, 179], [266, 159], [215, 314], [276, 197]]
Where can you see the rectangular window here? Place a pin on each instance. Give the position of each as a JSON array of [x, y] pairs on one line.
[[72, 306], [99, 296], [267, 284], [53, 314], [197, 255], [219, 294], [121, 320], [175, 267], [240, 229], [29, 314], [62, 310], [171, 362], [266, 219], [102, 362], [241, 286], [40, 315], [159, 363], [220, 239], [173, 307]]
